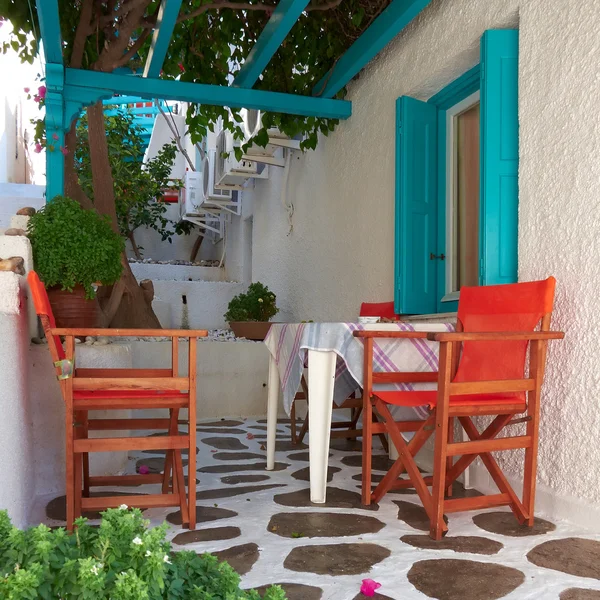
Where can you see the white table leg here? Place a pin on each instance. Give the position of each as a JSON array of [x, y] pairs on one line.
[[321, 377], [272, 406]]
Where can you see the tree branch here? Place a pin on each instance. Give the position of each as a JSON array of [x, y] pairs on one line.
[[324, 6], [133, 50], [125, 8]]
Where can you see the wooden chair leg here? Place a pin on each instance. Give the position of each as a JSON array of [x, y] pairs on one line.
[[438, 527], [69, 439], [304, 428], [192, 433], [449, 460], [367, 449]]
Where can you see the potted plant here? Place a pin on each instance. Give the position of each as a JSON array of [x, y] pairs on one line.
[[74, 250], [248, 314]]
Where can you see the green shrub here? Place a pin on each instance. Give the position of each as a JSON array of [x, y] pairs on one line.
[[72, 246], [120, 560], [257, 304]]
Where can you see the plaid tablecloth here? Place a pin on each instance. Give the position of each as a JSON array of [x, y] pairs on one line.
[[288, 343]]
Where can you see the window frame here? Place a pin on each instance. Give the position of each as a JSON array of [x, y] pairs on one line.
[[458, 90]]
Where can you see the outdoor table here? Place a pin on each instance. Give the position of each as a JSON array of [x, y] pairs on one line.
[[335, 370]]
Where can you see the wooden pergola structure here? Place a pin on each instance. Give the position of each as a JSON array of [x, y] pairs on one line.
[[70, 90]]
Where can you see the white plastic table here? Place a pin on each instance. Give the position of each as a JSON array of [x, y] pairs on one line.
[[288, 345]]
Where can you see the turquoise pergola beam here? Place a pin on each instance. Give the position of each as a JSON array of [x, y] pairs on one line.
[[50, 29], [165, 23], [386, 26], [279, 25], [146, 87]]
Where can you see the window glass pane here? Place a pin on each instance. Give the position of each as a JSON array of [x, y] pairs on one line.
[[466, 199]]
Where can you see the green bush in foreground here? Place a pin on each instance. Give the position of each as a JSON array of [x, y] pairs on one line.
[[122, 559]]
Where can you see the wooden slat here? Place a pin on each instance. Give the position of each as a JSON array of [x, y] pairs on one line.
[[79, 332], [406, 484], [390, 334], [396, 377], [132, 443], [130, 383], [127, 424], [500, 336], [132, 403], [491, 387], [480, 446], [122, 372], [486, 408], [117, 480], [145, 501], [475, 503]]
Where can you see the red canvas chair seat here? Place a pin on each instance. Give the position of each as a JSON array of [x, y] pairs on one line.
[[482, 371]]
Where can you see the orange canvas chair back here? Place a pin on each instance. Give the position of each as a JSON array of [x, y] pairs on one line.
[[378, 309], [501, 308], [43, 309]]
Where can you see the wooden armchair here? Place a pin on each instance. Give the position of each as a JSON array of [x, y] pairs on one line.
[[89, 389], [482, 372]]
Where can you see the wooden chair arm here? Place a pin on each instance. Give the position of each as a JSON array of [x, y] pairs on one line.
[[500, 336], [390, 334], [172, 333]]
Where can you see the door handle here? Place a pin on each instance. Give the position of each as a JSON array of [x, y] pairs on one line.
[[433, 256]]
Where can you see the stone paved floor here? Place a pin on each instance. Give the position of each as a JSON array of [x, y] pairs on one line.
[[264, 525]]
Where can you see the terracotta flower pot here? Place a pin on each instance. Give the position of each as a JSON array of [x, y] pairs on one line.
[[72, 309], [251, 330]]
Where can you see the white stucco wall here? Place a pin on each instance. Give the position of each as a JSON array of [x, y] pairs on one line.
[[232, 376], [340, 251], [17, 485]]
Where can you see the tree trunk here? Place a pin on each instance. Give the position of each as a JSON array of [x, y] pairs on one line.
[[134, 245], [124, 304]]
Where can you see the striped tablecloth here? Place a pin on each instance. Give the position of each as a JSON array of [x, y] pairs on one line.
[[288, 343]]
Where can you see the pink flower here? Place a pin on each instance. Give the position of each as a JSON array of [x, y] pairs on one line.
[[64, 150], [181, 67], [55, 136], [37, 98], [26, 90], [37, 148], [42, 91], [250, 436], [144, 470], [368, 587], [213, 451]]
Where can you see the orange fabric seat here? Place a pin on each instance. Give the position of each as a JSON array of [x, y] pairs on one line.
[[430, 399]]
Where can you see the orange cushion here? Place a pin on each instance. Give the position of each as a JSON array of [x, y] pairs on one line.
[[429, 398]]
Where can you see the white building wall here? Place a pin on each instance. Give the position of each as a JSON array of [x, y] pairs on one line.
[[341, 249], [16, 433]]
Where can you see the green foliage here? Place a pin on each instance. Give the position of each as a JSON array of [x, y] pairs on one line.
[[257, 304], [72, 246], [209, 45], [138, 187], [121, 560]]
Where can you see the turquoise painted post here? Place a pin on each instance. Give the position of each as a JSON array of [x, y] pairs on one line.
[[167, 19], [282, 20], [55, 131], [394, 18], [499, 146]]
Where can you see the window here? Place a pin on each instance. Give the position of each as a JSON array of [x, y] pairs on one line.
[[456, 183]]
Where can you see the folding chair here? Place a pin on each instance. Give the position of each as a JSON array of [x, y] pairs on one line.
[[481, 373], [349, 429], [86, 390]]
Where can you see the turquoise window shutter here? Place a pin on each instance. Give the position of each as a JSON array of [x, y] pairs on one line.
[[499, 145], [416, 206]]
